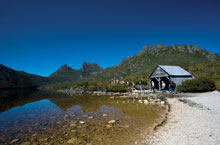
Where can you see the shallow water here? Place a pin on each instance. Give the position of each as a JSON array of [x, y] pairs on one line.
[[41, 117]]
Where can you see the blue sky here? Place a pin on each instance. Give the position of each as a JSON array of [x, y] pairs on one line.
[[40, 36]]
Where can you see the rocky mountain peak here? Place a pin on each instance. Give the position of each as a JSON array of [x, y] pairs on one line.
[[65, 67], [151, 48], [90, 67], [156, 49]]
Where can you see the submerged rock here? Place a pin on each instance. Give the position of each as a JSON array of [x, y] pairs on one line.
[[73, 124], [90, 117], [43, 139], [140, 101], [126, 126], [14, 141], [82, 122], [35, 134], [65, 116], [26, 143], [71, 141], [146, 102], [85, 115], [79, 126], [109, 125], [112, 121]]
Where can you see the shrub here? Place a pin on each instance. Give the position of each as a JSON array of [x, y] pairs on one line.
[[217, 85], [117, 88], [201, 84]]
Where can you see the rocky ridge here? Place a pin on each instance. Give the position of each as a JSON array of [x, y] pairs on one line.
[[183, 48], [90, 67]]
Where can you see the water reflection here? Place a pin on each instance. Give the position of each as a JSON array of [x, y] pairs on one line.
[[35, 117]]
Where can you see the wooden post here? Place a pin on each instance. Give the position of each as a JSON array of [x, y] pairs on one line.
[[158, 80], [159, 84]]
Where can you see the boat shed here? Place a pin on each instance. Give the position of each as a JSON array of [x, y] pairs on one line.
[[174, 75]]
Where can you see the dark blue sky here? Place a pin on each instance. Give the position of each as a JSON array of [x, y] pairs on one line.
[[38, 36]]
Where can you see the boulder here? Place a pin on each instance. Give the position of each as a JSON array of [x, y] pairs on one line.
[[112, 121], [82, 122]]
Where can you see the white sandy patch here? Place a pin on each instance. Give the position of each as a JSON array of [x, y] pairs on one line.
[[188, 125], [210, 100]]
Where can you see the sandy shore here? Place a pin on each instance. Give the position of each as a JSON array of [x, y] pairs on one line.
[[195, 121]]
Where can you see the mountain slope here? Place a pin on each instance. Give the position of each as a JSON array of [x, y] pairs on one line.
[[10, 78], [90, 69], [207, 69], [150, 56], [67, 74]]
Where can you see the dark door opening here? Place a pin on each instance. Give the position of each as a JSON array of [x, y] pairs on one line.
[[166, 81]]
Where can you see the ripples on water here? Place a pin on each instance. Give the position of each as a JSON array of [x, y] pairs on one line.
[[41, 117]]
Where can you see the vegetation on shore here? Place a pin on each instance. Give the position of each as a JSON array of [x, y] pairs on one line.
[[210, 70], [106, 86], [200, 84]]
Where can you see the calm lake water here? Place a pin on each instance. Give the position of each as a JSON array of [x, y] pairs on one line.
[[41, 117]]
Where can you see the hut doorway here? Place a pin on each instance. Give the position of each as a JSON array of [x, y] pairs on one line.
[[166, 81], [156, 83]]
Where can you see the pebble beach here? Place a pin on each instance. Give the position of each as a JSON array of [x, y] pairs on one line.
[[194, 119]]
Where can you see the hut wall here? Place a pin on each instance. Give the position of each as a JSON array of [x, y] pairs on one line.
[[178, 80]]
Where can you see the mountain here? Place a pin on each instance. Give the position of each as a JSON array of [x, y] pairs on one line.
[[67, 74], [149, 57], [90, 68], [12, 79], [142, 63]]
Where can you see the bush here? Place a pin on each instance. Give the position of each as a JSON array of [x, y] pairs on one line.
[[201, 84], [116, 88], [217, 85]]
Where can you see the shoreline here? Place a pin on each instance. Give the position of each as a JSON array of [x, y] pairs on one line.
[[194, 119]]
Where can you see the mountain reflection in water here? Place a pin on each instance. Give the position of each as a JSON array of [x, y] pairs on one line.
[[33, 117]]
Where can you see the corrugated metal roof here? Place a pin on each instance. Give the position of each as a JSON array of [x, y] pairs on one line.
[[175, 70]]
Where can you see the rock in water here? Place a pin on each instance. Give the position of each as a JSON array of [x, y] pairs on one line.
[[104, 115], [109, 125], [90, 117], [140, 101], [126, 126], [111, 121], [73, 124], [14, 141], [26, 143], [71, 141], [145, 102], [82, 122]]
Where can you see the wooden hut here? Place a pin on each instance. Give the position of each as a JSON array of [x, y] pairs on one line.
[[168, 74]]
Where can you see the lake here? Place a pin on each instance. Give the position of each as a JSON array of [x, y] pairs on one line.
[[42, 117]]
